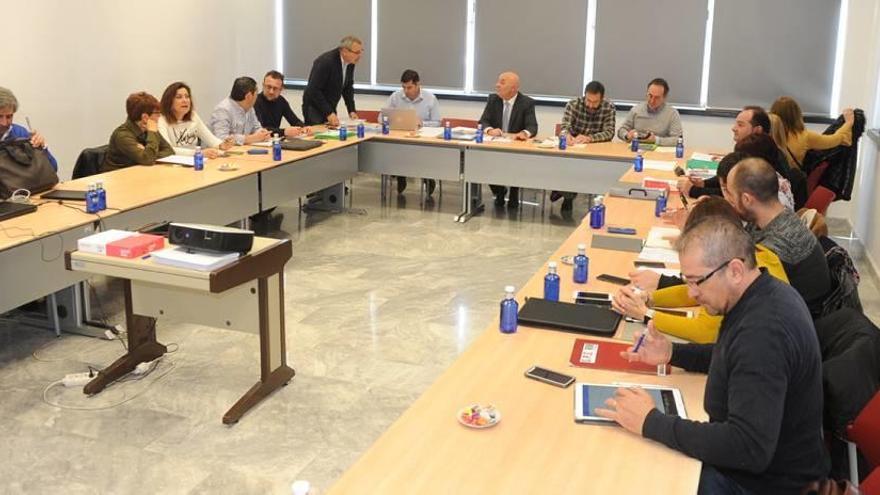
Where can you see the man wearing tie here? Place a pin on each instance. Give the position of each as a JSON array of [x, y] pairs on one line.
[[332, 77], [512, 113]]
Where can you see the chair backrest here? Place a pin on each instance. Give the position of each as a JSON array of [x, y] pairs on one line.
[[89, 162], [460, 122], [865, 431], [369, 115], [820, 199], [816, 176], [871, 484]]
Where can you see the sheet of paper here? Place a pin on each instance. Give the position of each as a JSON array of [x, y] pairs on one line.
[[178, 160], [657, 237], [669, 272], [667, 166], [499, 139], [704, 157], [431, 132], [658, 254], [665, 149]]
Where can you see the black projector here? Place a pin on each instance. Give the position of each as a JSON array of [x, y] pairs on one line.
[[210, 238]]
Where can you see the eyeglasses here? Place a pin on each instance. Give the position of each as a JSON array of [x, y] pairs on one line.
[[694, 282]]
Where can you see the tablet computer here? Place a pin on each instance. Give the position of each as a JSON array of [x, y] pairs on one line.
[[65, 195], [589, 396]]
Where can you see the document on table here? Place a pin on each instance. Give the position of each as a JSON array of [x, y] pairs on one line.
[[499, 139], [669, 272], [661, 255], [705, 157], [658, 237], [431, 132], [665, 149], [178, 160], [667, 166]]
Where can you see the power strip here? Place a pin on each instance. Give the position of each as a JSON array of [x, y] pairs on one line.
[[77, 379]]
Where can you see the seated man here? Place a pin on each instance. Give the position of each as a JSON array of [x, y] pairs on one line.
[[411, 95], [763, 391], [137, 141], [10, 130], [653, 121], [271, 106], [752, 188], [509, 112], [235, 116], [589, 119]]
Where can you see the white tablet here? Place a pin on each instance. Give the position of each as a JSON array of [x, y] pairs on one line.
[[589, 396]]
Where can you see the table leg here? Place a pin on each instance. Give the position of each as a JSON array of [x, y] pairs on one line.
[[142, 347], [274, 371]]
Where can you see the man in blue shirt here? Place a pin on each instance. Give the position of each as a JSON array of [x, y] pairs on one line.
[[8, 130], [426, 106]]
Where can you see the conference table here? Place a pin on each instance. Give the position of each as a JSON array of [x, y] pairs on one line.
[[536, 447]]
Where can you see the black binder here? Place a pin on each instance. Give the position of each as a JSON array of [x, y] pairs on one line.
[[581, 318]]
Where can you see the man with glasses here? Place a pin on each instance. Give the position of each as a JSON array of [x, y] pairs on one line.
[[764, 387], [271, 106], [653, 121], [332, 77]]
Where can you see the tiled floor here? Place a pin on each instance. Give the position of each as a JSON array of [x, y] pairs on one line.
[[378, 305]]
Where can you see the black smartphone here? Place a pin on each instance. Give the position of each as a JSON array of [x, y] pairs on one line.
[[549, 376], [649, 264], [602, 296], [613, 279]]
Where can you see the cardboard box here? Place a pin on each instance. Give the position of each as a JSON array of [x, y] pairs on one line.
[[135, 246]]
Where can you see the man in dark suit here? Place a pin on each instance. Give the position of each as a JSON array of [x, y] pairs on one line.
[[509, 112], [327, 84]]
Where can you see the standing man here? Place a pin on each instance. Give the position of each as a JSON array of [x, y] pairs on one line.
[[509, 112], [653, 121], [589, 119], [9, 130], [235, 116], [332, 77], [411, 95], [271, 107], [764, 386]]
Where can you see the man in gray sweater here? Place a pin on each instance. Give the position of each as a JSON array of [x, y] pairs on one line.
[[653, 121]]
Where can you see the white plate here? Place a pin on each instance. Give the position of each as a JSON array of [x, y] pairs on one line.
[[227, 167], [490, 412]]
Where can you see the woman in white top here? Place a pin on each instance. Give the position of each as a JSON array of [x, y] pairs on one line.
[[181, 126]]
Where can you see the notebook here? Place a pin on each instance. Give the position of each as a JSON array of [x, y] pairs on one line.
[[9, 209], [580, 318]]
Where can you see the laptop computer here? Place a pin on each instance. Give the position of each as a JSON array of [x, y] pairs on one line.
[[402, 119], [580, 318], [9, 209]]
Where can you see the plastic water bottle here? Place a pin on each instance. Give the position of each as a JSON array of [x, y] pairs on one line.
[[276, 148], [447, 131], [635, 143], [660, 205], [360, 130], [385, 128], [581, 265], [509, 309], [597, 213], [479, 133], [92, 205], [551, 283], [679, 147], [102, 196], [343, 132], [563, 140], [198, 159], [639, 162]]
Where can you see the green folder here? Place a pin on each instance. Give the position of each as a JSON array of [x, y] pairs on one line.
[[694, 164], [328, 135]]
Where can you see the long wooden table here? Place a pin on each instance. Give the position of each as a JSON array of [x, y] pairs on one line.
[[537, 447]]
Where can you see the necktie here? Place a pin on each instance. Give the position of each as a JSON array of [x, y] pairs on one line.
[[505, 117]]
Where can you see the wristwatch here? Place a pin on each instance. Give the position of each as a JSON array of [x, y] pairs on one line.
[[649, 315]]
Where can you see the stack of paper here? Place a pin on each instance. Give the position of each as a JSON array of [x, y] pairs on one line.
[[186, 161], [431, 132], [666, 166], [659, 237], [194, 260], [661, 255]]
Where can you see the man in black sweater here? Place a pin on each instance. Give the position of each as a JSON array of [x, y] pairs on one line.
[[332, 77], [764, 386], [271, 106]]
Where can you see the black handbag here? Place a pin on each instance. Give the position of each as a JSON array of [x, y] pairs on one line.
[[24, 167]]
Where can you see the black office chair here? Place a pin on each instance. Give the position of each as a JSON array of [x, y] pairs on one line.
[[89, 162]]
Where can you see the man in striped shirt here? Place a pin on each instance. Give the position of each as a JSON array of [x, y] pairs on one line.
[[589, 119]]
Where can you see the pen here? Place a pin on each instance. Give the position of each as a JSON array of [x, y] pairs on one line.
[[639, 342], [28, 121]]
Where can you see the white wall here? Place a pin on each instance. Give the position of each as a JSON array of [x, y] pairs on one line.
[[72, 64]]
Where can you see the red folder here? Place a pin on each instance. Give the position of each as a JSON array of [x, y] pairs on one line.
[[135, 246], [589, 353]]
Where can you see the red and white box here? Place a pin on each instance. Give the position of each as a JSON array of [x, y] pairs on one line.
[[135, 246]]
